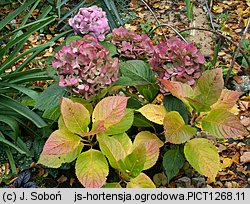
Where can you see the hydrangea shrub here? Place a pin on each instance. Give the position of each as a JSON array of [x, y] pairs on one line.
[[130, 44], [85, 67], [177, 60], [91, 20]]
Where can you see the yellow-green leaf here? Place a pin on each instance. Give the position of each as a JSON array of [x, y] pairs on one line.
[[110, 110], [223, 124], [203, 157], [61, 124], [152, 144], [125, 141], [153, 112], [176, 131], [112, 149], [122, 126], [209, 87], [75, 116], [92, 169], [141, 181], [146, 135]]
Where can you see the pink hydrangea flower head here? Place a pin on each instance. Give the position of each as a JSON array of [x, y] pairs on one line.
[[177, 60], [85, 67], [130, 44], [91, 20]]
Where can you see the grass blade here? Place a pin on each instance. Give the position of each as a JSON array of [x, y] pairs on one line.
[[15, 13], [22, 110], [32, 94], [25, 35]]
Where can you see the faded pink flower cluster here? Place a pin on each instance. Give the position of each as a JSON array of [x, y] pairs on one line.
[[85, 67], [130, 44], [177, 60], [91, 20]]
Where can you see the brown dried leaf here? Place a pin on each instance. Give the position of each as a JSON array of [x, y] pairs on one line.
[[245, 157], [236, 158], [245, 121], [71, 182], [62, 179]]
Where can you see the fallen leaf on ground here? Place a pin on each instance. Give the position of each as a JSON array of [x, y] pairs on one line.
[[245, 157]]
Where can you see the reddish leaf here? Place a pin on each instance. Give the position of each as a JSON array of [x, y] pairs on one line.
[[178, 89], [110, 110], [227, 100], [55, 161], [61, 142], [223, 124], [97, 128]]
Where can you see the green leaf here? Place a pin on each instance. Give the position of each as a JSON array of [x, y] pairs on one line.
[[92, 169], [112, 149], [141, 121], [173, 161], [122, 126], [75, 116], [52, 113], [152, 144], [134, 103], [176, 131], [126, 81], [71, 38], [134, 162], [141, 181], [153, 112], [198, 105], [227, 99], [149, 92], [223, 124], [55, 161], [61, 142], [172, 103], [203, 157], [22, 110], [111, 110], [110, 47], [138, 71], [50, 97]]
